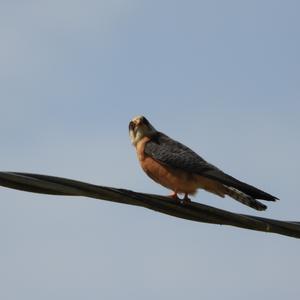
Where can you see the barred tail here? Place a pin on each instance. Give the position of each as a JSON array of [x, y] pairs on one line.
[[244, 198]]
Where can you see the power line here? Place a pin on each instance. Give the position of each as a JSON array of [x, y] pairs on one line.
[[44, 184]]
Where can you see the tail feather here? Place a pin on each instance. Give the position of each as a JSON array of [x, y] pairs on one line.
[[244, 198], [239, 185]]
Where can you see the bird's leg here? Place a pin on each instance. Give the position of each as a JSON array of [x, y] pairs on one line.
[[186, 200], [175, 197]]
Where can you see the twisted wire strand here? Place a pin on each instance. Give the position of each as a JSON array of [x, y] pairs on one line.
[[44, 184]]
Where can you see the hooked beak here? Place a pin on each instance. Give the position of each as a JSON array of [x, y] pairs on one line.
[[132, 126]]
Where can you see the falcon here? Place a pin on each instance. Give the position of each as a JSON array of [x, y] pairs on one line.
[[178, 168]]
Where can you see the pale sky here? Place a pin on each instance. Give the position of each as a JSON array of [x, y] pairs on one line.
[[220, 76]]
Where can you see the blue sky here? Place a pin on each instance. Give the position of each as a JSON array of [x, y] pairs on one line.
[[220, 76]]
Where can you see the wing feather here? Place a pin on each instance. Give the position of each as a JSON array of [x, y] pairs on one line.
[[174, 154]]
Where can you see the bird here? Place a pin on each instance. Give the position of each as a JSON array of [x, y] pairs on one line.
[[180, 169]]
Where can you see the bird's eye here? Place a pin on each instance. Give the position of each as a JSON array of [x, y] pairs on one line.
[[131, 126]]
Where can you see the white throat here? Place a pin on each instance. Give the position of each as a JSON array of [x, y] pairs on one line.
[[141, 132]]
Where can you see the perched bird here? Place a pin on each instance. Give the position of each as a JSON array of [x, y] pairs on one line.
[[178, 168]]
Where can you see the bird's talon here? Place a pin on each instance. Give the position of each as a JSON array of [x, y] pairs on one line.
[[175, 197], [186, 200]]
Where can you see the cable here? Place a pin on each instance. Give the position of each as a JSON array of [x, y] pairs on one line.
[[44, 184]]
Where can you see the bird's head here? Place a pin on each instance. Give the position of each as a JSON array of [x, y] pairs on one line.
[[140, 127]]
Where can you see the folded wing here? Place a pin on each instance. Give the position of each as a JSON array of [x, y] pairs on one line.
[[174, 154]]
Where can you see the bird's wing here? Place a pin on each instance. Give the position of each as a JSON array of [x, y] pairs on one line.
[[176, 155]]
